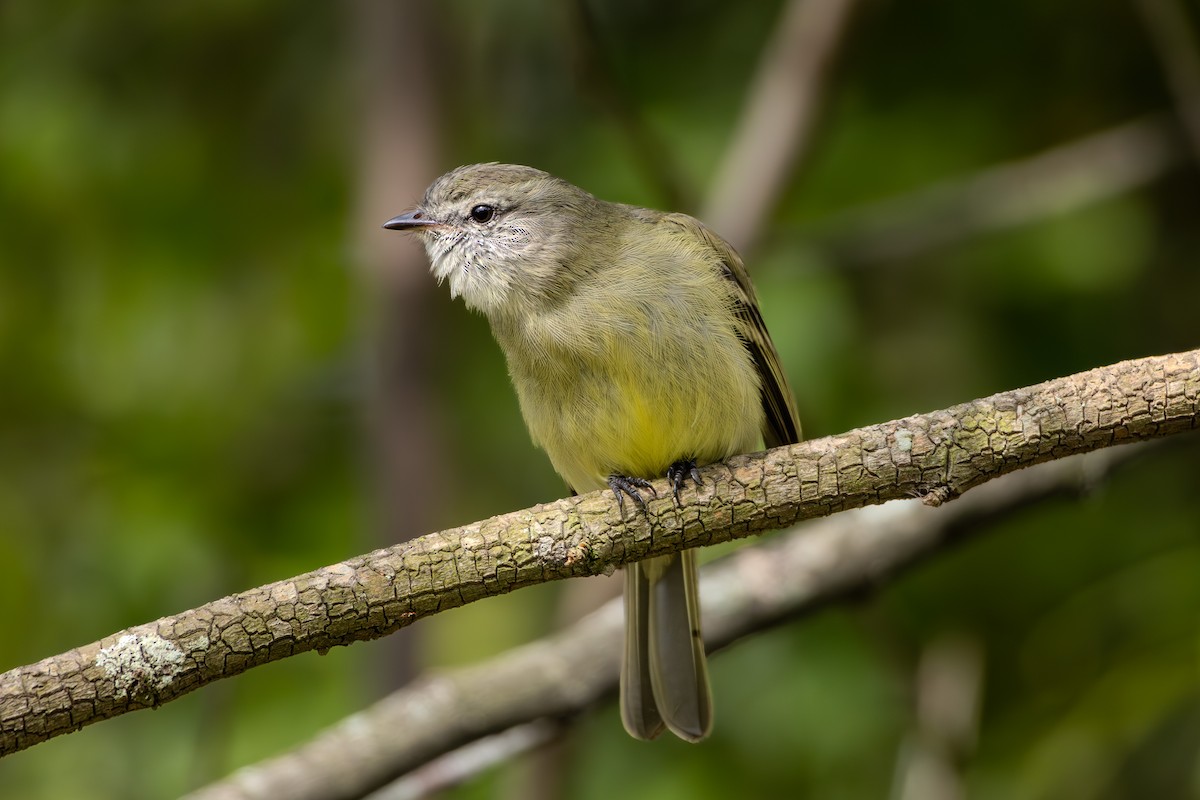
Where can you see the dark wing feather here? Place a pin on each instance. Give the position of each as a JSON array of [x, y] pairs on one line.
[[782, 422]]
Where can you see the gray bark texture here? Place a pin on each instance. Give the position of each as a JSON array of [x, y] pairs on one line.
[[934, 456]]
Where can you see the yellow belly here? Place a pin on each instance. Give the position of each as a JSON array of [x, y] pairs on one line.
[[637, 421]]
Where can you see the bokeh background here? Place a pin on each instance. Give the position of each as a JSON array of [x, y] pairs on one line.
[[216, 370]]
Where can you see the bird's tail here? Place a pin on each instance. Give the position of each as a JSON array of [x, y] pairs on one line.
[[664, 678]]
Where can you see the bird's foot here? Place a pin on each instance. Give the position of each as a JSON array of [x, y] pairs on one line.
[[624, 485], [678, 474]]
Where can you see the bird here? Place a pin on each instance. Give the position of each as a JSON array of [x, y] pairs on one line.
[[637, 350]]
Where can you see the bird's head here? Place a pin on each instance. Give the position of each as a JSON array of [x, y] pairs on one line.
[[504, 236]]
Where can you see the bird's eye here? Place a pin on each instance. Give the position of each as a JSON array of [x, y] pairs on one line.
[[483, 213]]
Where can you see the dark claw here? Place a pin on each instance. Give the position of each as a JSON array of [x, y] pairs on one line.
[[679, 472], [623, 484]]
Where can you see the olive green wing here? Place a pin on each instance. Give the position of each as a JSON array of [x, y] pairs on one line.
[[782, 421]]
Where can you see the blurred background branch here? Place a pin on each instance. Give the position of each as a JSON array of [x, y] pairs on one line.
[[776, 127], [1174, 38], [398, 157], [947, 694], [1054, 182]]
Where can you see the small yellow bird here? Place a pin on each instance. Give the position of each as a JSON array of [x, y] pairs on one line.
[[637, 350]]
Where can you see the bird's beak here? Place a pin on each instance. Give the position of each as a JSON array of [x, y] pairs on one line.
[[410, 220]]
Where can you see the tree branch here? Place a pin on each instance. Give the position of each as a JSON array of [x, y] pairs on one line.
[[429, 732], [937, 456]]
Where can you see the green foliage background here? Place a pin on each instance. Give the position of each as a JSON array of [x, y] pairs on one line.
[[181, 383]]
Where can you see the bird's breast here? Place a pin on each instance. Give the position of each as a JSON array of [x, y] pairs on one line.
[[631, 389]]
